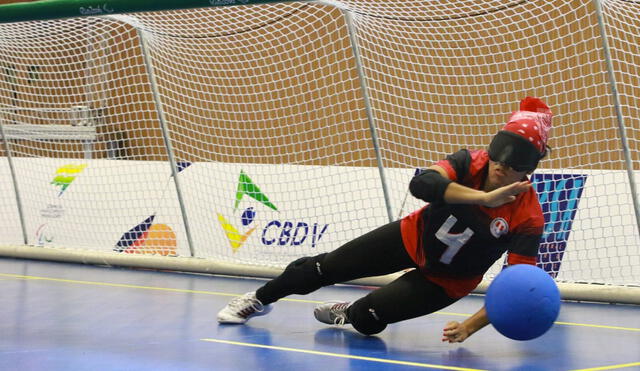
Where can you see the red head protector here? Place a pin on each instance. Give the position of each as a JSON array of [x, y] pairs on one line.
[[522, 142]]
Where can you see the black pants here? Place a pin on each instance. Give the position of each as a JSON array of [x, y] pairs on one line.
[[376, 253]]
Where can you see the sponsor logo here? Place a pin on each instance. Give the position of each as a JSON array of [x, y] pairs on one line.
[[65, 175], [148, 238], [276, 232], [151, 238], [227, 2], [92, 10]]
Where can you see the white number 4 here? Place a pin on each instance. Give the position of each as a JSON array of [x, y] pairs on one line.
[[454, 241]]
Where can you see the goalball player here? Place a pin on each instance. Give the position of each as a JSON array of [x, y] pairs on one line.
[[480, 205]]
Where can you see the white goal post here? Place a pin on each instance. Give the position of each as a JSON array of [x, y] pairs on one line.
[[234, 139]]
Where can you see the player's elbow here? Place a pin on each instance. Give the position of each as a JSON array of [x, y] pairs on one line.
[[414, 186], [429, 186]]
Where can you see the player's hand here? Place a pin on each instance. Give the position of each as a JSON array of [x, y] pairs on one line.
[[455, 332], [506, 194]]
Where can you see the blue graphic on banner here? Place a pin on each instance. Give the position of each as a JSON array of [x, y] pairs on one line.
[[559, 195]]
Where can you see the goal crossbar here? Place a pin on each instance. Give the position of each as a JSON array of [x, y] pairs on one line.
[[58, 9]]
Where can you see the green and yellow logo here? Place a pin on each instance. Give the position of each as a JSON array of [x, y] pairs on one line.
[[65, 175], [246, 187]]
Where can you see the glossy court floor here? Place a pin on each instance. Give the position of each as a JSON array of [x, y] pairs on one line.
[[58, 316]]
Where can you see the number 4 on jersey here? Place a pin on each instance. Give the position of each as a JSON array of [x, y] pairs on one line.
[[454, 241]]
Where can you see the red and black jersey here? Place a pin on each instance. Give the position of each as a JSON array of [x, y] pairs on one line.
[[454, 245]]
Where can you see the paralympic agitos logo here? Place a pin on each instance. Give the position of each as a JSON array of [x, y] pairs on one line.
[[275, 232]]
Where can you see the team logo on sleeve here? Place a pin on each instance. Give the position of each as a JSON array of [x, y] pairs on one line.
[[499, 227]]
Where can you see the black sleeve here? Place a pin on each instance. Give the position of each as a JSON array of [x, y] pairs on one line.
[[525, 244], [429, 185]]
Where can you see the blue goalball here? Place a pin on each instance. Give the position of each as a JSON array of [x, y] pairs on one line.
[[522, 302]]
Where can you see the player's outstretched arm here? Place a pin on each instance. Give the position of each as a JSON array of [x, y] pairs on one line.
[[456, 332], [435, 184]]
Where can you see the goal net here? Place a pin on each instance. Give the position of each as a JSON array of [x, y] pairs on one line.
[[252, 135]]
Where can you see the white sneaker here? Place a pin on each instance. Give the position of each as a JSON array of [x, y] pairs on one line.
[[241, 308], [332, 312]]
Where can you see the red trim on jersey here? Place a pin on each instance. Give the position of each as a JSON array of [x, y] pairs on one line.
[[479, 160], [531, 222], [411, 228], [513, 259], [446, 165]]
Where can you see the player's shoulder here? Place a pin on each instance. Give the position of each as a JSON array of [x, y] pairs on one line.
[[479, 155], [479, 158], [471, 155], [530, 197], [467, 162]]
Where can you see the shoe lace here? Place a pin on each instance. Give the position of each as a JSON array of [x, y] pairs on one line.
[[246, 305], [339, 312]]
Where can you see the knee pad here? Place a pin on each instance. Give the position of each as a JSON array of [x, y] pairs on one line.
[[306, 274], [364, 318]]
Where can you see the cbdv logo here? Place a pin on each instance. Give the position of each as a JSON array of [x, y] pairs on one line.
[[276, 232], [559, 195]]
